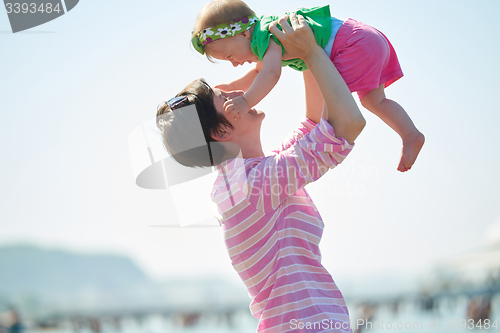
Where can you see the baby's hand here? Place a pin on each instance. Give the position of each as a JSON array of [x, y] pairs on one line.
[[237, 107], [223, 86]]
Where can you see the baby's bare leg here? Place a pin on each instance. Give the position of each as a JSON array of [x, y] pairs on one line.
[[396, 117]]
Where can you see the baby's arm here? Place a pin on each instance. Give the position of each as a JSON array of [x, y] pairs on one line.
[[267, 78], [242, 83], [263, 83]]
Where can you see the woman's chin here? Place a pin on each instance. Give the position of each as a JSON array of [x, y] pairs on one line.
[[258, 113], [255, 111]]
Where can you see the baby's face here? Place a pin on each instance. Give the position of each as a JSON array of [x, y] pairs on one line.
[[235, 49]]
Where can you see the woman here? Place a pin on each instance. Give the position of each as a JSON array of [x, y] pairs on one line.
[[271, 227]]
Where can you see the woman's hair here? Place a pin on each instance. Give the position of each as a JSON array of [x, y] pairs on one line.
[[180, 128], [218, 12]]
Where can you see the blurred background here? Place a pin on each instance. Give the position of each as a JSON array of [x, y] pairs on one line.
[[83, 249]]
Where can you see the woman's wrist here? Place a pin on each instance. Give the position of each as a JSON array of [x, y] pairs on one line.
[[312, 56]]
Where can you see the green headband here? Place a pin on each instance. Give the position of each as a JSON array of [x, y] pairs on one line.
[[220, 31]]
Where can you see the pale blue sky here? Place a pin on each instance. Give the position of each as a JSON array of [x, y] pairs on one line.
[[73, 90]]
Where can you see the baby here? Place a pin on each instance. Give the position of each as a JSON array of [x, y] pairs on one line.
[[230, 30]]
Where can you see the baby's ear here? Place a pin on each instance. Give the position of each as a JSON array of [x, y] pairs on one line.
[[246, 34]]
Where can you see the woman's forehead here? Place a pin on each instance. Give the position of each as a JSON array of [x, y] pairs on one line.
[[218, 97], [218, 93]]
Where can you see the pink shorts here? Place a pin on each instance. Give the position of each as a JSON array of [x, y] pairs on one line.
[[364, 57]]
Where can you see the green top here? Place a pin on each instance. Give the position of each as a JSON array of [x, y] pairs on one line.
[[318, 18]]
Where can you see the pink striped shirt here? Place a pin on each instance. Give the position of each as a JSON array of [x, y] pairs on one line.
[[272, 231]]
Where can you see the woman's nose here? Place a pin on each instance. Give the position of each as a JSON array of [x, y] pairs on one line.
[[234, 63]]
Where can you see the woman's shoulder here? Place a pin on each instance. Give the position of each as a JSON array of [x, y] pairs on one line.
[[305, 127]]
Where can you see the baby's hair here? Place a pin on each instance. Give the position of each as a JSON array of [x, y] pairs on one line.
[[218, 12]]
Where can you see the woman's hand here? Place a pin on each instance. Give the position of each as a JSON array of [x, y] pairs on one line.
[[342, 113], [297, 39]]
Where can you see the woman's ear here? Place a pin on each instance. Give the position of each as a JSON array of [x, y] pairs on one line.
[[223, 135]]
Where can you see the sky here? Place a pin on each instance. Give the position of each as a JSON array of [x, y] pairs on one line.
[[74, 89]]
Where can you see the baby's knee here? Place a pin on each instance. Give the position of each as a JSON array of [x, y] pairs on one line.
[[373, 99], [369, 102]]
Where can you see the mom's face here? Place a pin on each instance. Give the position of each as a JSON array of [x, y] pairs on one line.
[[248, 124]]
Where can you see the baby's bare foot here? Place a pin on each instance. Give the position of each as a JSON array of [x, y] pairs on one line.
[[411, 147]]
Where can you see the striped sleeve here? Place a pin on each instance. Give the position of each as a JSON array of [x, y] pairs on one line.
[[306, 126], [277, 177]]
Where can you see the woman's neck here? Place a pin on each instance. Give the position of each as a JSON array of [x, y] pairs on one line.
[[251, 147], [253, 153]]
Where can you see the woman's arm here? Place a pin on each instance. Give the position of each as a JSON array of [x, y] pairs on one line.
[[314, 99], [299, 42]]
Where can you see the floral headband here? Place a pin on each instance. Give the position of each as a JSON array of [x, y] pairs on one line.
[[220, 31]]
